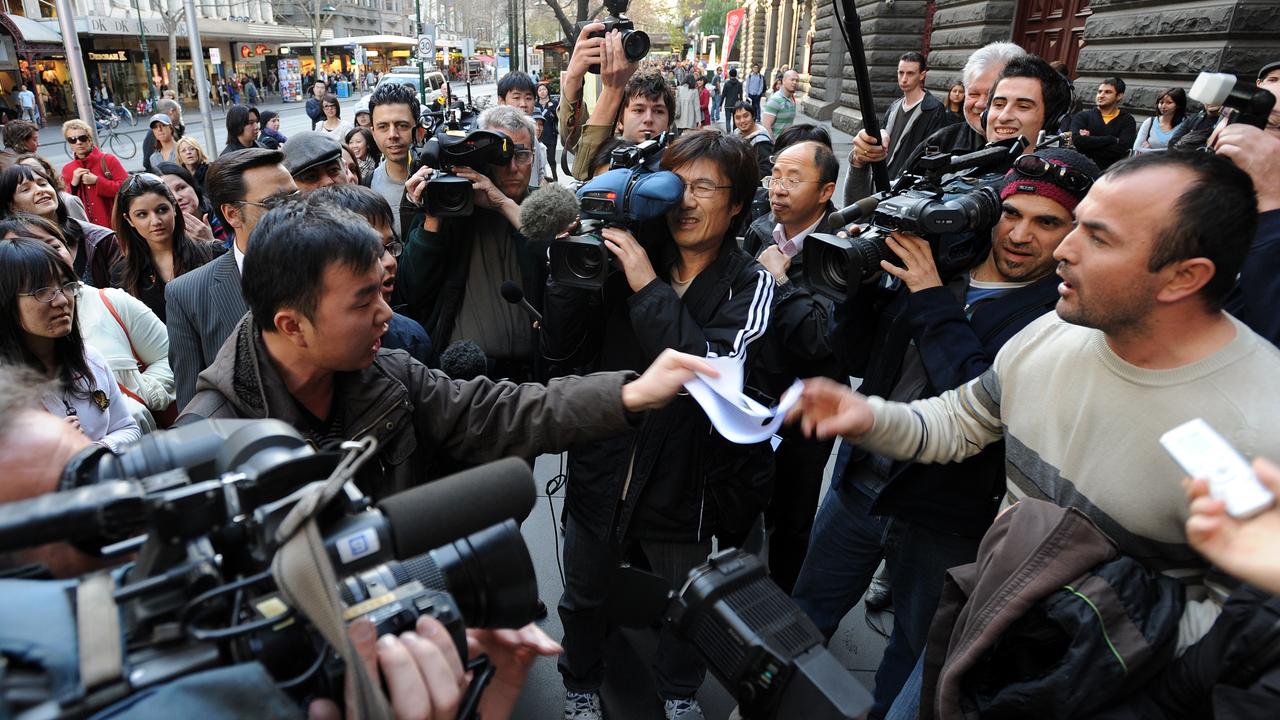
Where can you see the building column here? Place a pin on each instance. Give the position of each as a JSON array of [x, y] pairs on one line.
[[827, 64]]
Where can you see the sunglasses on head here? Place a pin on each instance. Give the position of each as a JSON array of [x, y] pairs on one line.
[[78, 139], [1034, 166]]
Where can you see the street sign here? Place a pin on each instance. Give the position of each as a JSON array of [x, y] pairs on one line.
[[215, 56], [427, 43]]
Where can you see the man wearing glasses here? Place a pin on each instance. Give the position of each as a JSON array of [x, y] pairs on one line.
[[915, 334], [203, 306], [452, 269], [670, 486]]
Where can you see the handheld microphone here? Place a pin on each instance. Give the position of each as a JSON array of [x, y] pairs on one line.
[[512, 293], [548, 212], [855, 212], [453, 507]]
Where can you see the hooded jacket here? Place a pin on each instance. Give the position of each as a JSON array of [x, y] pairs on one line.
[[673, 478], [420, 417]]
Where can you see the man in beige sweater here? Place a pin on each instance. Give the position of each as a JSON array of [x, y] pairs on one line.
[[1139, 344]]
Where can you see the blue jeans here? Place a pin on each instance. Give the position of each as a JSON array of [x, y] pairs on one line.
[[847, 545], [907, 705]]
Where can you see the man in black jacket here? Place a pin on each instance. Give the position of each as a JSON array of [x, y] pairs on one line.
[[1105, 133], [730, 95], [658, 495], [910, 119], [914, 335], [800, 188]]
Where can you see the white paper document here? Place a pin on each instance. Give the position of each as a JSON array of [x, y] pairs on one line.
[[735, 416]]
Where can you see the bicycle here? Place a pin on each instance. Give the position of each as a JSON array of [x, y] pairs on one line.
[[116, 143]]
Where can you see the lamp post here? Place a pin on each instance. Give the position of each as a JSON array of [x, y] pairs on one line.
[[75, 62], [146, 56], [422, 72], [202, 80]]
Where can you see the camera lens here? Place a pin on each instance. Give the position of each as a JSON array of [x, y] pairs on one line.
[[585, 261], [635, 44], [834, 268]]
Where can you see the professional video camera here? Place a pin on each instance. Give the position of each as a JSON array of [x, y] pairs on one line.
[[1242, 100], [635, 43], [446, 194], [201, 593], [631, 192], [762, 647], [951, 201], [618, 198]]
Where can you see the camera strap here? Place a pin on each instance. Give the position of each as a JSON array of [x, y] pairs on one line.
[[98, 630], [305, 576]]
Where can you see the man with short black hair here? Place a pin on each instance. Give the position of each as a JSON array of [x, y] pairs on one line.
[[730, 95], [393, 111], [755, 89], [314, 159], [204, 305], [315, 109], [310, 353], [1105, 133], [20, 137], [517, 89], [1139, 342]]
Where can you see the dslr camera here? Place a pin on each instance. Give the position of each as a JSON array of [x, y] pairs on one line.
[[955, 212], [446, 194], [635, 43], [618, 198]]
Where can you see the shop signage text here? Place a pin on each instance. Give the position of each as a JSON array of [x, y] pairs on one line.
[[119, 56]]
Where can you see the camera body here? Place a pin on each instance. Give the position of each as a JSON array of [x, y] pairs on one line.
[[635, 43], [447, 194], [618, 198], [954, 214]]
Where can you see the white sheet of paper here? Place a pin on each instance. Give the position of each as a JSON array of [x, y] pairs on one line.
[[735, 416]]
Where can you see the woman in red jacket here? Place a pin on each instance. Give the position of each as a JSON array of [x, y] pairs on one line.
[[93, 176]]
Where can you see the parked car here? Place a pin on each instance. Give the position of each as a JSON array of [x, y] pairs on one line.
[[409, 76]]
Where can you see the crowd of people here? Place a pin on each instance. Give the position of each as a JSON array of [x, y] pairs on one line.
[[995, 415]]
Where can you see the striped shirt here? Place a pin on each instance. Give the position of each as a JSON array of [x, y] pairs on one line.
[[783, 110]]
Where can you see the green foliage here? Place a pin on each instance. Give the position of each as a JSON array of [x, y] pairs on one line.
[[712, 16]]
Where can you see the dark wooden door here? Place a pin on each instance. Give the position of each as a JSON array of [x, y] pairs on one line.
[[1052, 29]]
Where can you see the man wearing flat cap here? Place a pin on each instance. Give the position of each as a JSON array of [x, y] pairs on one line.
[[314, 159]]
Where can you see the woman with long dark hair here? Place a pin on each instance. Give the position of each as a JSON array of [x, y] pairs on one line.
[[242, 128], [93, 247], [153, 238], [1155, 132], [120, 327], [202, 221], [550, 106], [39, 329], [332, 124], [365, 150], [75, 208]]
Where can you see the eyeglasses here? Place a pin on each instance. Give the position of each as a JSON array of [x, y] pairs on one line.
[[704, 188], [1034, 166], [79, 139], [393, 248], [69, 291], [523, 158], [274, 200], [783, 183]]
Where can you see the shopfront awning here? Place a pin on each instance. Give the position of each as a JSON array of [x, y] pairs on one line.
[[362, 40], [26, 31]]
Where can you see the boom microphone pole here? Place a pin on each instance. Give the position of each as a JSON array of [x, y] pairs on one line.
[[852, 29]]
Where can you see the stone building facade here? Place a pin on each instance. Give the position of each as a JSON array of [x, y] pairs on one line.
[[1152, 45]]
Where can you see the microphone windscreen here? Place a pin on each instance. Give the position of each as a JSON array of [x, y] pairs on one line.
[[511, 292], [1212, 88], [547, 212], [458, 505], [463, 360]]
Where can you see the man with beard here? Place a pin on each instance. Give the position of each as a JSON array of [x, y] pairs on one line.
[[1139, 344], [913, 338]]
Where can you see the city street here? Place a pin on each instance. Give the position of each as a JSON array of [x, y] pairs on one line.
[[628, 692], [293, 119]]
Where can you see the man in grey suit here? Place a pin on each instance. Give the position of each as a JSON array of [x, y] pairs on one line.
[[204, 306]]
